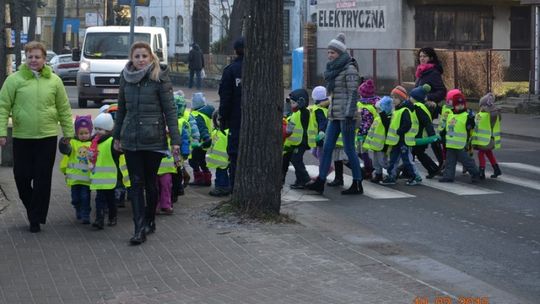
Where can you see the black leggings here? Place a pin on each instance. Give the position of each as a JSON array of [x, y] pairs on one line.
[[33, 162], [143, 167]]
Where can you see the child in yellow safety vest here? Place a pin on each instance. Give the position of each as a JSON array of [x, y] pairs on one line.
[[76, 167], [301, 135], [188, 126], [376, 136], [401, 137], [366, 108], [487, 134], [203, 115], [106, 165], [456, 134], [218, 159], [319, 113]]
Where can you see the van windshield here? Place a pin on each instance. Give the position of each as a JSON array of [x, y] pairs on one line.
[[110, 45]]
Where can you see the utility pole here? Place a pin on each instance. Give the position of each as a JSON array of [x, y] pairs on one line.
[[132, 22]]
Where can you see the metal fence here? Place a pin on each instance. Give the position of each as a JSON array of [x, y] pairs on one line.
[[503, 71]]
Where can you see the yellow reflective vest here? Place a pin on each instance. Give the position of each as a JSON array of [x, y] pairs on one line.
[[312, 116], [392, 138], [123, 170], [428, 113], [296, 137], [456, 131], [360, 105], [217, 156], [76, 164], [207, 122], [444, 116], [482, 133], [104, 176], [376, 135]]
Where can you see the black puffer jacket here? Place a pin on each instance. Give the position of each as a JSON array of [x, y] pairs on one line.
[[145, 107], [433, 77]]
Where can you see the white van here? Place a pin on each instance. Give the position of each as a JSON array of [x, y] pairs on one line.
[[104, 54]]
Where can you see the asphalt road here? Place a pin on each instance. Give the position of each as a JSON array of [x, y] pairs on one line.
[[481, 245], [461, 242]]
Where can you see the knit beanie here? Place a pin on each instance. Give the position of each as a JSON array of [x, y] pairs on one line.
[[104, 108], [239, 44], [319, 94], [198, 101], [180, 101], [84, 121], [104, 121], [385, 104], [451, 94], [338, 44], [367, 89], [459, 99], [399, 92], [488, 102], [419, 93], [301, 97]]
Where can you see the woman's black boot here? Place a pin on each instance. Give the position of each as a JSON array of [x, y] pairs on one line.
[[316, 185], [356, 188]]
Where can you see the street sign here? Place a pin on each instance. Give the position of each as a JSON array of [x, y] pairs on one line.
[[137, 2], [24, 37]]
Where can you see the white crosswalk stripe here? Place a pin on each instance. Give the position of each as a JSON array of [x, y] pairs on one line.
[[457, 187], [521, 166]]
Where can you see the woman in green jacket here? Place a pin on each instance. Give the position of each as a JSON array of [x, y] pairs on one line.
[[36, 100]]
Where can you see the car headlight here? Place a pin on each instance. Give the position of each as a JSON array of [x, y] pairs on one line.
[[84, 66]]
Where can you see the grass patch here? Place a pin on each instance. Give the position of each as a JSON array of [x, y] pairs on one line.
[[511, 89], [229, 209]]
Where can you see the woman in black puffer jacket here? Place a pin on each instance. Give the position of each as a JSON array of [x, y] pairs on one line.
[[145, 110], [429, 71]]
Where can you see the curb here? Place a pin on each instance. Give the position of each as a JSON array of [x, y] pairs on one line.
[[521, 137]]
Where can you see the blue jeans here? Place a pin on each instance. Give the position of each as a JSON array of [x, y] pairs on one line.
[[334, 128], [403, 152], [222, 179], [80, 199], [198, 79]]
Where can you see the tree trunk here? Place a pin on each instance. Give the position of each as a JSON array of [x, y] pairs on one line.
[[3, 46], [201, 24], [237, 21], [110, 12], [33, 21], [258, 176], [16, 19], [58, 38]]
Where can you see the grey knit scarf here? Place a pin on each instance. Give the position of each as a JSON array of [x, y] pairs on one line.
[[133, 75]]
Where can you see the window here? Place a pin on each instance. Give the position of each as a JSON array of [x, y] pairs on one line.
[[140, 21], [224, 26], [153, 21], [166, 23], [179, 30]]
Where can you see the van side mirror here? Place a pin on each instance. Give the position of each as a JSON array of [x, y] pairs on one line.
[[76, 54]]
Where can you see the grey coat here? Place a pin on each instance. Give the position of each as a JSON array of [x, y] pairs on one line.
[[345, 95], [145, 107]]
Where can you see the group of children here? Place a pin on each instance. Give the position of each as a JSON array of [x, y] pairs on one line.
[[396, 129], [90, 161]]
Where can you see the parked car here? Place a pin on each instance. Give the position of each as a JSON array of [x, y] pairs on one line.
[[65, 67]]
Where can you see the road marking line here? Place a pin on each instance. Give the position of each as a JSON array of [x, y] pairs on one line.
[[522, 166], [457, 188], [291, 195], [514, 180], [370, 189]]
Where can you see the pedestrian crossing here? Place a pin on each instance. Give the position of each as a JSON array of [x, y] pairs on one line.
[[376, 191]]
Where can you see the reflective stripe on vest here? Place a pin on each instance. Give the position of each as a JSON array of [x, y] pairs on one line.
[[77, 172], [456, 131], [105, 174], [392, 138], [217, 156], [376, 135]]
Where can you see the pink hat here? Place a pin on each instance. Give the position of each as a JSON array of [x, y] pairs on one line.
[[367, 89], [84, 121]]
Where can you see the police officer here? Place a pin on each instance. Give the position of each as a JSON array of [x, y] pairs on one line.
[[230, 98]]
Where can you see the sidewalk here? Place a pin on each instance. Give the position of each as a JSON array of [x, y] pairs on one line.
[[192, 258], [521, 126]]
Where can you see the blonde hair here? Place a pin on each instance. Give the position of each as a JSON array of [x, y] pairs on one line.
[[35, 45], [154, 75]]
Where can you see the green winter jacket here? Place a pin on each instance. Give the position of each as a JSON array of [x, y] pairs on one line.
[[36, 105]]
